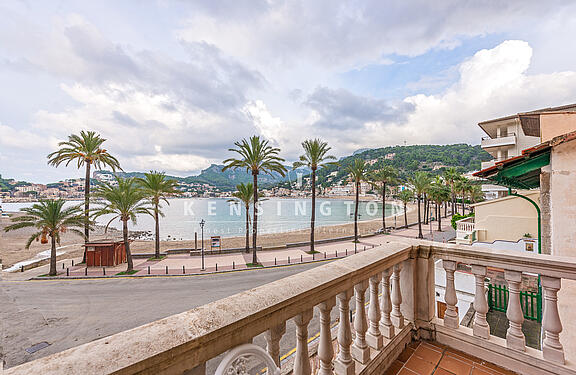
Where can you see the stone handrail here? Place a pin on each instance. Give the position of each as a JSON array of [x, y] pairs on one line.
[[186, 341], [397, 279]]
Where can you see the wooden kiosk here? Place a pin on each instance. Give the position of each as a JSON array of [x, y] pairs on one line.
[[105, 253]]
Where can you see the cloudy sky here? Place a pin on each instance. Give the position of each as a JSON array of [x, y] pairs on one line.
[[171, 84]]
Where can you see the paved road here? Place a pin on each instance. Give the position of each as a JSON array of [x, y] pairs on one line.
[[68, 313]]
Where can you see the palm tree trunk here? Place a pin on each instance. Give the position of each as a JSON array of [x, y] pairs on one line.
[[356, 212], [405, 216], [255, 221], [438, 214], [127, 245], [445, 209], [313, 216], [425, 213], [419, 219], [53, 257], [157, 219], [247, 228], [384, 207], [86, 209]]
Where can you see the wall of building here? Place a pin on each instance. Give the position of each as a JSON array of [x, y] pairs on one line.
[[555, 124], [563, 199], [507, 218]]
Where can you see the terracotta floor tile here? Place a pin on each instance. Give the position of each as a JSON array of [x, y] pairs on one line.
[[497, 369], [419, 365], [436, 345], [479, 371], [394, 368], [463, 356], [455, 365], [414, 344], [406, 371], [460, 357], [431, 355], [441, 371], [406, 354]]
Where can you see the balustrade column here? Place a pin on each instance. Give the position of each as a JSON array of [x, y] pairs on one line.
[[344, 365], [552, 349], [273, 336], [514, 336], [325, 350], [396, 315], [360, 349], [302, 358], [374, 336], [481, 327], [451, 319], [386, 326]]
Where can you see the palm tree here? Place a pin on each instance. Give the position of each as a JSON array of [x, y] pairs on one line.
[[85, 150], [439, 193], [420, 183], [406, 196], [244, 194], [314, 157], [476, 194], [157, 188], [357, 171], [450, 176], [461, 186], [387, 175], [256, 155], [124, 200], [49, 218]]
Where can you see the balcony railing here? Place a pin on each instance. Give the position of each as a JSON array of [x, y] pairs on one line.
[[398, 280], [465, 231], [508, 140]]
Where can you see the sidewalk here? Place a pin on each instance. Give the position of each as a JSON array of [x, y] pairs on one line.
[[184, 264]]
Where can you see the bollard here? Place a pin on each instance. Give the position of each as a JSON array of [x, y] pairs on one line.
[[336, 253], [148, 270], [62, 265], [166, 270], [324, 255], [233, 265], [364, 247], [288, 259], [216, 267], [301, 258], [275, 261], [351, 316], [183, 270], [22, 269], [67, 271], [86, 271], [104, 271], [72, 262], [346, 252]]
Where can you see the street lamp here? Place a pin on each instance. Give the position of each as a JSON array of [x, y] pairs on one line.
[[202, 222]]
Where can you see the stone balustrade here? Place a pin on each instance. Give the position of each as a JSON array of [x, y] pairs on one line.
[[391, 291], [465, 229]]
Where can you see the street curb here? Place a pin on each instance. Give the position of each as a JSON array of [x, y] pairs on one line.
[[182, 275]]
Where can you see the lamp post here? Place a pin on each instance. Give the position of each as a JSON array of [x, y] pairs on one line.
[[202, 222]]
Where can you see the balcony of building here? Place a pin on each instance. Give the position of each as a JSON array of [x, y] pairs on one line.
[[375, 312], [500, 141], [465, 231]]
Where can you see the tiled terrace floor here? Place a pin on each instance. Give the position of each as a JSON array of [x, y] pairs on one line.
[[426, 358]]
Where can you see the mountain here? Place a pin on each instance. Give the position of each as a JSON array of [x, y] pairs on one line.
[[407, 159]]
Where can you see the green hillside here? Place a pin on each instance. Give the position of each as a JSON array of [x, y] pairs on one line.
[[409, 159]]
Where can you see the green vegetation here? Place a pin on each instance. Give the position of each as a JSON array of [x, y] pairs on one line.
[[131, 272], [157, 188], [388, 175], [457, 217], [49, 218], [84, 150], [155, 259], [124, 201], [357, 171], [315, 157], [254, 265], [244, 194], [255, 156]]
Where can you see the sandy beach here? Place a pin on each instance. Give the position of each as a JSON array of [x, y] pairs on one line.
[[12, 244]]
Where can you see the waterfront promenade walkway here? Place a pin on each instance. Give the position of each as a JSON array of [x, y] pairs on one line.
[[184, 264]]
